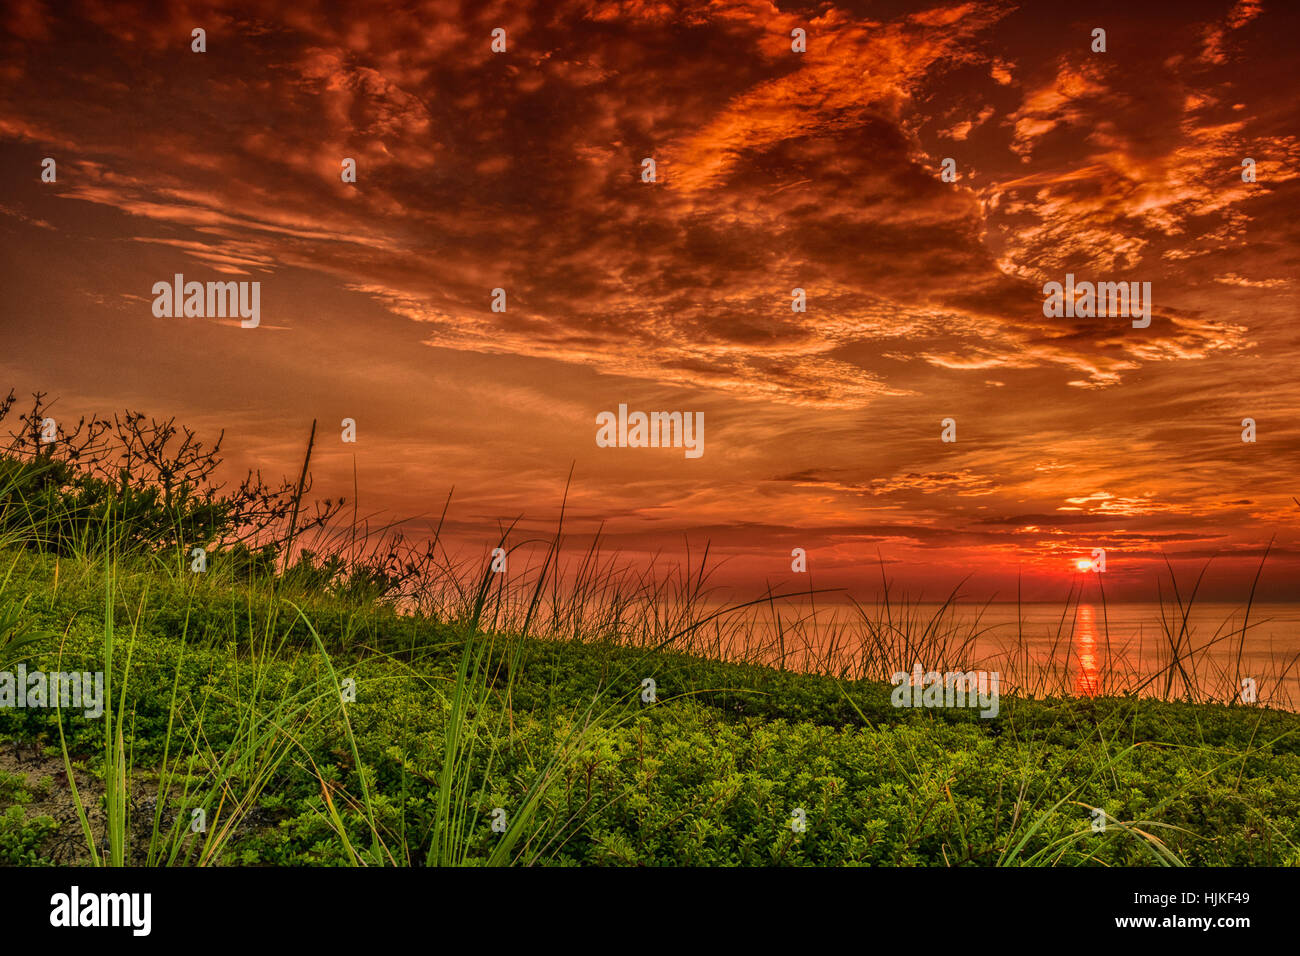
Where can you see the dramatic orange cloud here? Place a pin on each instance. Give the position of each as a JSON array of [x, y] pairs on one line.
[[776, 171]]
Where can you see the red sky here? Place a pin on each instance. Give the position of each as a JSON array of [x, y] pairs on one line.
[[776, 170]]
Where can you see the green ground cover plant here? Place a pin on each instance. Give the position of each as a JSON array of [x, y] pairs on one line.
[[375, 704]]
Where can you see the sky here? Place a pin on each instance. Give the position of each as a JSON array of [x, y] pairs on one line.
[[774, 170]]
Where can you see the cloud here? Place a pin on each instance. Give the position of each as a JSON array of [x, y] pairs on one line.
[[776, 171]]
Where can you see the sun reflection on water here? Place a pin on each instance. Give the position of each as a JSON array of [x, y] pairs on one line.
[[1088, 681]]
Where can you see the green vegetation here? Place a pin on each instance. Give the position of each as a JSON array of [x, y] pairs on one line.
[[229, 700], [375, 707]]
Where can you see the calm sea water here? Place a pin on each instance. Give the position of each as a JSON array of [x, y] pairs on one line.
[[1136, 640], [1118, 648]]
